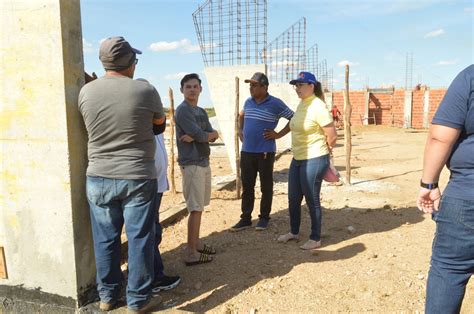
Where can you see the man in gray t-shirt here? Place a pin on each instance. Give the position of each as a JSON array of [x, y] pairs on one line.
[[121, 115], [193, 134], [118, 112]]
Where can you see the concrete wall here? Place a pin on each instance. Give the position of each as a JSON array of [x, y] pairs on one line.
[[44, 219], [285, 92], [221, 82]]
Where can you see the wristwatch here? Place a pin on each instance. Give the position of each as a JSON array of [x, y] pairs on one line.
[[429, 186]]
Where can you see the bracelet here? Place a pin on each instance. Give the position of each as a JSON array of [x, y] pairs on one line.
[[429, 186]]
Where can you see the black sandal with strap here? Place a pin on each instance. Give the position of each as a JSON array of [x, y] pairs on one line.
[[203, 258], [207, 249]]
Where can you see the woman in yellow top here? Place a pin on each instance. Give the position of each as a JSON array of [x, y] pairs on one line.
[[312, 137]]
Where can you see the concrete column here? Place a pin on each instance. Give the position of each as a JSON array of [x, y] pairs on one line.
[[44, 217], [426, 108], [221, 82], [366, 109], [407, 109]]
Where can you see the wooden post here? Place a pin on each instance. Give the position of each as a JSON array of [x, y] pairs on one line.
[[236, 136], [347, 128], [172, 139]]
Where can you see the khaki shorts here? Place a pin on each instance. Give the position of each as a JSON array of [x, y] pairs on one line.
[[196, 186]]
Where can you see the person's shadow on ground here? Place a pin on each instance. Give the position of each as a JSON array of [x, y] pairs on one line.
[[244, 258]]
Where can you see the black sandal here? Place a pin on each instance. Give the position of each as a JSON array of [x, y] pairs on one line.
[[203, 258], [207, 249]]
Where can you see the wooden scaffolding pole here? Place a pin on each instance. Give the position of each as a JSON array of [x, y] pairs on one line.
[[236, 137], [347, 128], [172, 139]]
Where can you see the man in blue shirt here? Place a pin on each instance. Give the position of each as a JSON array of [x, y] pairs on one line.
[[451, 143], [257, 122]]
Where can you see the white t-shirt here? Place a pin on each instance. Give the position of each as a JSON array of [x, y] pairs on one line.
[[161, 164]]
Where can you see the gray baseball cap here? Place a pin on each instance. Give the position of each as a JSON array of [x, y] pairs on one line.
[[259, 78], [116, 53]]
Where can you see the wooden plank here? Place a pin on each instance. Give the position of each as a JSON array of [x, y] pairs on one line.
[[171, 214], [3, 264], [389, 90], [167, 217]]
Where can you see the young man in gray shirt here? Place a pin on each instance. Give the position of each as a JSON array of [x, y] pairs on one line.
[[193, 134], [120, 115]]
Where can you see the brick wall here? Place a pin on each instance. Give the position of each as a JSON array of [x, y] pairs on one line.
[[388, 109], [436, 95], [417, 109]]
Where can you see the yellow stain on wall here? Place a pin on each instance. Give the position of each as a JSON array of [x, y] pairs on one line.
[[27, 89], [10, 116], [10, 183], [66, 186], [13, 222], [7, 176]]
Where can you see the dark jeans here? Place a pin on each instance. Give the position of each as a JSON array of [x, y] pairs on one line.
[[250, 165], [114, 202], [305, 179], [452, 259], [158, 265]]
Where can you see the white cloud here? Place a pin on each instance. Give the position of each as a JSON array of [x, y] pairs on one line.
[[344, 62], [284, 63], [184, 45], [273, 53], [446, 62], [210, 45], [469, 9], [87, 46], [435, 33], [175, 76]]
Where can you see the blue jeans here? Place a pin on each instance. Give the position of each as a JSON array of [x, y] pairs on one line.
[[305, 179], [452, 259], [159, 268], [114, 202]]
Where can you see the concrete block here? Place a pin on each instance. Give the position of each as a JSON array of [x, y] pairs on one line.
[[44, 218]]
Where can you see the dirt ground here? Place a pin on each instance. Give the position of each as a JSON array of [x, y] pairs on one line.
[[376, 244]]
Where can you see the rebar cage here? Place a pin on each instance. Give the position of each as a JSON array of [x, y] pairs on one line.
[[231, 32]]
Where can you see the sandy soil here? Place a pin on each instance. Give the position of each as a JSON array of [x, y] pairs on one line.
[[376, 244]]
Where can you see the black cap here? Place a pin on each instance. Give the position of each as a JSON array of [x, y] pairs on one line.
[[116, 53], [258, 77]]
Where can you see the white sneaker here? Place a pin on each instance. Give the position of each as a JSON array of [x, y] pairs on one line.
[[287, 237], [311, 245]]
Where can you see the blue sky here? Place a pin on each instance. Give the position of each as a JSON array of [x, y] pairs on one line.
[[373, 36]]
